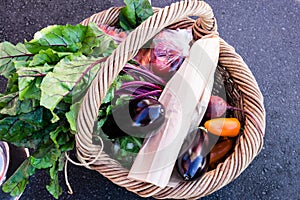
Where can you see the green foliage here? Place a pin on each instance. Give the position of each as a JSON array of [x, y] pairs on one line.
[[134, 13], [47, 78], [9, 54]]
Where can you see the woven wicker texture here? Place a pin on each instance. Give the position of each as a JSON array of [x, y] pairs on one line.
[[246, 92]]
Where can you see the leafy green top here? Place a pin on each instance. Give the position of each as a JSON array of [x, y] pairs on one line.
[[47, 77], [134, 13]]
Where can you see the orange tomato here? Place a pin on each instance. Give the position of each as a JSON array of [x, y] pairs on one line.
[[227, 127]]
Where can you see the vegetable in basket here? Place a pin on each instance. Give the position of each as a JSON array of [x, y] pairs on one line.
[[220, 150], [124, 149], [169, 49], [137, 117], [227, 127], [193, 163], [164, 54], [116, 34], [217, 107], [133, 93]]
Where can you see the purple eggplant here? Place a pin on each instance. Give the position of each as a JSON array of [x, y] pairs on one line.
[[193, 163], [136, 118], [148, 113]]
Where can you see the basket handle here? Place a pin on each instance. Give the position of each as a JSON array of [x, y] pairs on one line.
[[126, 51]]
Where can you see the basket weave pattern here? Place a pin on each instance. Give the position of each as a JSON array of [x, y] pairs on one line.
[[174, 16]]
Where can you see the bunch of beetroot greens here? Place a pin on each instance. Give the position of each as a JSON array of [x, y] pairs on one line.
[[46, 79]]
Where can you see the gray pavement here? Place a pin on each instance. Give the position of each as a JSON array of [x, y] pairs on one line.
[[265, 33]]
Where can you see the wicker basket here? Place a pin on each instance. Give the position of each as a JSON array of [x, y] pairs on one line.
[[240, 84]]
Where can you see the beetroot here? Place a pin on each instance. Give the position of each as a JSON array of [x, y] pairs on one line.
[[216, 107]]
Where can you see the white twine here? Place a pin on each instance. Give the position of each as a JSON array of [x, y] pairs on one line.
[[80, 164]]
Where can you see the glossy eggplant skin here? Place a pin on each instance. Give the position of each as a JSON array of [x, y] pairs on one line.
[[136, 118], [194, 161]]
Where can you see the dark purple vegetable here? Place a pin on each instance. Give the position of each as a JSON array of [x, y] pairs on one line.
[[147, 112], [136, 118], [193, 163]]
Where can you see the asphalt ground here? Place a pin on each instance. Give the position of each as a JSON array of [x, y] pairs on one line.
[[265, 33]]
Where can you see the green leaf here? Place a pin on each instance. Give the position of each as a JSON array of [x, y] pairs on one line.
[[106, 43], [109, 110], [107, 104], [30, 79], [72, 116], [61, 162], [53, 187], [45, 156], [10, 53], [60, 38], [12, 84], [51, 41], [69, 73], [109, 94], [130, 144], [117, 83], [101, 122], [60, 136], [134, 13], [55, 134], [143, 10], [6, 99], [68, 146], [30, 88], [90, 40], [16, 184], [25, 129], [127, 16], [47, 78], [48, 56], [11, 104]]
